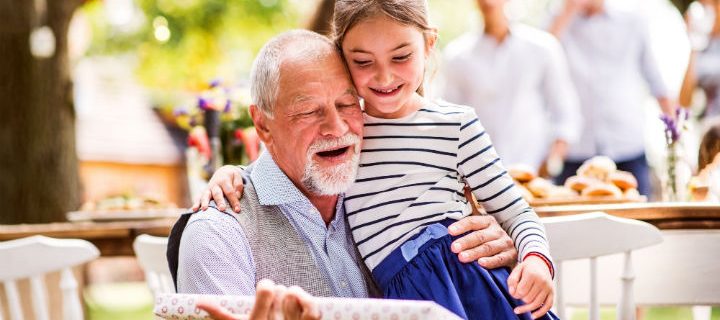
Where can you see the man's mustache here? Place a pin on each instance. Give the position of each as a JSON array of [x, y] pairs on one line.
[[348, 139]]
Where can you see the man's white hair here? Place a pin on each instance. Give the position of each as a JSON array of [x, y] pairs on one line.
[[265, 74]]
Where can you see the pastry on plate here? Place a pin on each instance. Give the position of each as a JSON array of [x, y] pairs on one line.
[[540, 187], [521, 173], [602, 189], [598, 167], [578, 183], [623, 180]]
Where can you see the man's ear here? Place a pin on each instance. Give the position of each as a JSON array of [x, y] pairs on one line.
[[260, 120]]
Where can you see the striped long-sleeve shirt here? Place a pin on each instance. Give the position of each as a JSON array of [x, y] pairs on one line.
[[412, 174]]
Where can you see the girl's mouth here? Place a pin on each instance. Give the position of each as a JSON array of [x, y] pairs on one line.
[[386, 92]]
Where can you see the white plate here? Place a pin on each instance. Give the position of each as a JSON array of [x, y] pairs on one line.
[[120, 215]]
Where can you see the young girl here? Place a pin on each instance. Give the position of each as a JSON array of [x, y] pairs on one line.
[[416, 159]]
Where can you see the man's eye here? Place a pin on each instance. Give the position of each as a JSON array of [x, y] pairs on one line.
[[403, 58], [308, 113]]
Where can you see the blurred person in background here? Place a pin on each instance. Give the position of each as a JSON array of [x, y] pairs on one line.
[[517, 79], [703, 72], [609, 55]]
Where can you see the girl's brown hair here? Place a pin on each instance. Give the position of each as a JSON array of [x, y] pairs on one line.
[[709, 146], [348, 13]]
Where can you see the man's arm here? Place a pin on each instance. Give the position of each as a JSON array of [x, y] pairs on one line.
[[215, 256], [561, 22], [564, 105], [651, 72]]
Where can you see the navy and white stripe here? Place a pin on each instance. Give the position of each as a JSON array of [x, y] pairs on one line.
[[412, 173]]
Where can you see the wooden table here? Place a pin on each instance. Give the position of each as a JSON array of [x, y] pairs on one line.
[[112, 238], [682, 270], [664, 215]]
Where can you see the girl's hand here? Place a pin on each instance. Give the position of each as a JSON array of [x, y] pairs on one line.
[[531, 282], [226, 182]]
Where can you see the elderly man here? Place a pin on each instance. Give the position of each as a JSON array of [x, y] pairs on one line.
[[292, 226]]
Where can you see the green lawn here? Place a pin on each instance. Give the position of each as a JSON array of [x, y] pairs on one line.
[[654, 313]]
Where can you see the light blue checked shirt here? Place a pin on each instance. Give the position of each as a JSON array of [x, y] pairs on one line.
[[215, 255]]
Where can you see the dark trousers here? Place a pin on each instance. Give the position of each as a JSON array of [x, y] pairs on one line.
[[638, 166]]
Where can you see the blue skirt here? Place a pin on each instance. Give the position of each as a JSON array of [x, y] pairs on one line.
[[424, 268]]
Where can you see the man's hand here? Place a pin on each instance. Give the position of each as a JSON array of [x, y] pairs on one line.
[[668, 107], [272, 301], [553, 164], [531, 282], [226, 182], [488, 243]]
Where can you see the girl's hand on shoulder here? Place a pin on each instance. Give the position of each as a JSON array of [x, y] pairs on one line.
[[226, 182], [531, 282]]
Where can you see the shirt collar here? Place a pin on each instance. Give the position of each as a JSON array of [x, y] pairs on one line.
[[487, 40], [273, 187]]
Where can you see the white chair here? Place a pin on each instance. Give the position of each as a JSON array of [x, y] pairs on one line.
[[591, 235], [150, 252], [35, 256]]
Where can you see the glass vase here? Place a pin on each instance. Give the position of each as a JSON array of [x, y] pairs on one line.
[[677, 175]]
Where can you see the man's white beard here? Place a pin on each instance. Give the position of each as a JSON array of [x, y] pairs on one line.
[[333, 180]]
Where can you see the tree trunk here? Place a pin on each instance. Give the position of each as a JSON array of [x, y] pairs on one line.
[[39, 179]]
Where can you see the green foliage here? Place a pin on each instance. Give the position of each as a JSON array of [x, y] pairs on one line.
[[207, 38]]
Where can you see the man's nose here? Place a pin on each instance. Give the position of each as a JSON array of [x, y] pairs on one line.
[[334, 124]]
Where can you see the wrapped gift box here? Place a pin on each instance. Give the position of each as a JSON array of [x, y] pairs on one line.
[[182, 306]]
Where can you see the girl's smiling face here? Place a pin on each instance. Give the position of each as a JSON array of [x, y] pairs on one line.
[[386, 60]]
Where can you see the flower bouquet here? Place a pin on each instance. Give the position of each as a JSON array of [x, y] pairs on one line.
[[677, 172], [218, 125]]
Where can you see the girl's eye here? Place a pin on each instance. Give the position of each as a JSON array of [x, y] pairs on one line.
[[362, 63], [403, 58]]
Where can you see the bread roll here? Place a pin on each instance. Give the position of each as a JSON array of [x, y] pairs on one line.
[[578, 183], [526, 194], [623, 180], [602, 189], [562, 193], [540, 187], [631, 193], [521, 173], [598, 167]]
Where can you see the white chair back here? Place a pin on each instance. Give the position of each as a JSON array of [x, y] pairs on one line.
[[32, 258], [591, 235], [150, 252]]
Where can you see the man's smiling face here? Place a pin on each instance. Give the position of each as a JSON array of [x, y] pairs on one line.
[[316, 127]]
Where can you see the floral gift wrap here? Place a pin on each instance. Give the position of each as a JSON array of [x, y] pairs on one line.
[[182, 306]]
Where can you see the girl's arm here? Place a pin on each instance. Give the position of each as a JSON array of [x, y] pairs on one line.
[[480, 165]]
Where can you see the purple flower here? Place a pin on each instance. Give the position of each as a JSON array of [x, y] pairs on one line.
[[227, 106], [203, 103], [180, 111], [215, 82], [674, 127]]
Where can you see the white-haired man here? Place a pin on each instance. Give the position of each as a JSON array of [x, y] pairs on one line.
[[291, 228]]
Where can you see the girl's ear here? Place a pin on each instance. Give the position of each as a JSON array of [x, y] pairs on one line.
[[430, 40]]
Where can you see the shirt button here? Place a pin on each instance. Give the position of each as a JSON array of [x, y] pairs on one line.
[[343, 284]]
